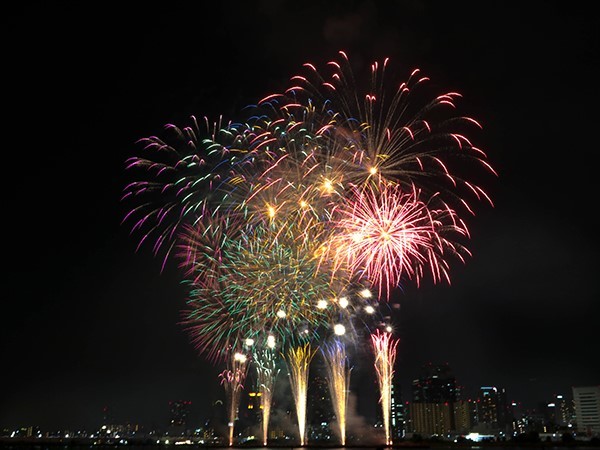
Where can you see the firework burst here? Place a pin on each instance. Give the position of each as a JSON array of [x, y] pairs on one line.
[[399, 132], [267, 284], [384, 234]]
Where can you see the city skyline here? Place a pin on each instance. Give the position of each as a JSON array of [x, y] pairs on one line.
[[181, 418], [89, 321]]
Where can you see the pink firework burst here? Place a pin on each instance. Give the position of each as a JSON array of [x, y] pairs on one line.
[[385, 234]]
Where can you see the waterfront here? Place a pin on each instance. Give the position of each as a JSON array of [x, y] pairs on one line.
[[12, 444]]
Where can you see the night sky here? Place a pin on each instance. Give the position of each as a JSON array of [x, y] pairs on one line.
[[88, 322]]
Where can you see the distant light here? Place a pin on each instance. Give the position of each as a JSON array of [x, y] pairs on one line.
[[388, 329], [373, 170], [339, 329], [303, 204], [551, 405], [239, 357], [343, 302], [271, 341], [249, 342], [365, 293], [281, 313], [322, 304], [271, 211], [369, 309]]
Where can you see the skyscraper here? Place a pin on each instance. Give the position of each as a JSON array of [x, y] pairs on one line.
[[320, 410], [434, 394], [397, 413], [488, 405], [436, 384], [587, 409]]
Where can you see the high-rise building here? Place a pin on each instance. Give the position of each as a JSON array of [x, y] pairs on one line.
[[505, 418], [434, 395], [431, 419], [487, 406], [587, 409], [464, 416], [518, 415], [436, 384], [558, 413], [320, 410], [249, 415], [397, 416]]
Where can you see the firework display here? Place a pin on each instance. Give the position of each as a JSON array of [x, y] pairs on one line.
[[298, 360], [232, 379], [297, 223], [267, 372], [384, 347], [339, 382]]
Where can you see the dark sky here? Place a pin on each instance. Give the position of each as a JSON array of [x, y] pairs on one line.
[[87, 322]]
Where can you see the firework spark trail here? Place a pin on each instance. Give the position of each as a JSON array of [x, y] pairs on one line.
[[267, 372], [397, 132], [339, 382], [177, 177], [384, 347], [298, 361], [232, 379]]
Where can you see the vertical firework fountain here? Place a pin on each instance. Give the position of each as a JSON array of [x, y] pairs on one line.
[[266, 371], [384, 347], [298, 361], [339, 382], [232, 379]]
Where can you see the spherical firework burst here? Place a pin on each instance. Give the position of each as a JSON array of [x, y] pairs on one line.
[[396, 131], [178, 177], [268, 285], [384, 234]]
